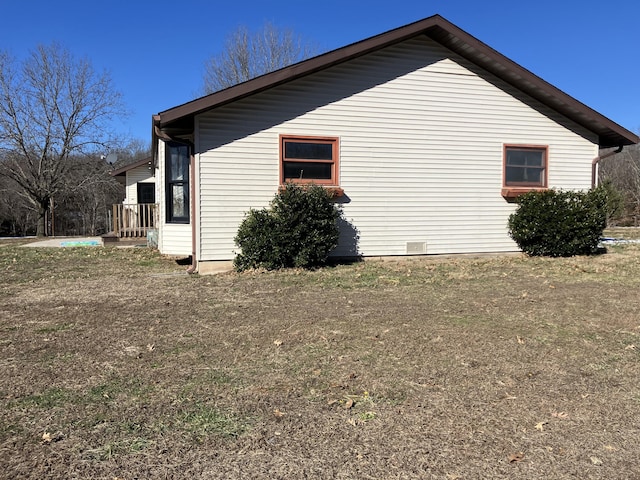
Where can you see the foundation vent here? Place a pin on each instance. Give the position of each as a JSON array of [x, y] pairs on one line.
[[416, 248]]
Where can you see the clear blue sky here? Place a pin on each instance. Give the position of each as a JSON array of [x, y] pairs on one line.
[[155, 50]]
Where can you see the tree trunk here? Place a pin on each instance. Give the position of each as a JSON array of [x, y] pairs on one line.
[[41, 229]]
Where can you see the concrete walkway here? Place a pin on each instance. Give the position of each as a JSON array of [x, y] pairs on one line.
[[67, 242]]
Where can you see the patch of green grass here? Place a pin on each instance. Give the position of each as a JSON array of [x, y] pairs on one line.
[[203, 420], [8, 429], [117, 448], [133, 388], [149, 262], [217, 377], [103, 392], [50, 398], [203, 384], [56, 328], [366, 416]]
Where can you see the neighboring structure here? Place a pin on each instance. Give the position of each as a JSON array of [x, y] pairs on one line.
[[426, 133], [135, 216]]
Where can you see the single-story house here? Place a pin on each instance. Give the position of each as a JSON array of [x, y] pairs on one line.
[[425, 133], [136, 215]]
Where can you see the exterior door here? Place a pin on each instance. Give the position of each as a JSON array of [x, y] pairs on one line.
[[146, 193]]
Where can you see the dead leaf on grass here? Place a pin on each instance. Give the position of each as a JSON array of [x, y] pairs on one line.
[[540, 426], [516, 457], [560, 414], [48, 437], [348, 403], [277, 413]]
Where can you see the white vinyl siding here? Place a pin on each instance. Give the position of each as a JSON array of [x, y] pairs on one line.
[[134, 176], [173, 238], [421, 136]]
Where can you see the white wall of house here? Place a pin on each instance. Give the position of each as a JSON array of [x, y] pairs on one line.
[[421, 151], [142, 174], [173, 238]]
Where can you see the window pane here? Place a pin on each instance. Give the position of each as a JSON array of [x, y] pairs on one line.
[[529, 158], [525, 166], [524, 175], [146, 193], [179, 164], [307, 170], [308, 150], [180, 201]]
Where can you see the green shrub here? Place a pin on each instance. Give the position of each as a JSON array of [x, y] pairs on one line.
[[559, 223], [298, 229], [614, 200]]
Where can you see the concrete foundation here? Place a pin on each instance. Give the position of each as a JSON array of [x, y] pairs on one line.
[[214, 268]]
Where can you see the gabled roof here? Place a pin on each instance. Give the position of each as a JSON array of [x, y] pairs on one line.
[[179, 120], [131, 166]]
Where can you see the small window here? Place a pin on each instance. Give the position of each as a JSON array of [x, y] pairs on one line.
[[146, 193], [309, 160], [525, 166], [177, 181]]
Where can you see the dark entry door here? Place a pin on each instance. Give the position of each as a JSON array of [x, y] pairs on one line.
[[146, 193]]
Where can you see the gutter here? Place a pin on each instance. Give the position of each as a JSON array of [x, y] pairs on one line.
[[594, 165]]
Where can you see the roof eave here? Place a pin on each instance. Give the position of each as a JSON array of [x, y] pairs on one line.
[[123, 170], [179, 120], [170, 117]]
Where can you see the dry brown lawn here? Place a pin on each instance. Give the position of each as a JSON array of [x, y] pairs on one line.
[[115, 364]]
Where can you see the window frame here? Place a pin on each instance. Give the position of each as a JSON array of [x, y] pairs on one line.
[[335, 161], [513, 189], [170, 183], [140, 187]]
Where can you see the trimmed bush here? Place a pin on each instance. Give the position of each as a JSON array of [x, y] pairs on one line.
[[557, 223], [298, 229], [614, 200]]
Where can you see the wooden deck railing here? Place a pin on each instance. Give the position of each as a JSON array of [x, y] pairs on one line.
[[134, 220]]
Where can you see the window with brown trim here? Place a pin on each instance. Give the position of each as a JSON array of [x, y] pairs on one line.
[[308, 160], [525, 166]]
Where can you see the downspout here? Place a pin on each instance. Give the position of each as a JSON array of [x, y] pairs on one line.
[[192, 193], [594, 165]]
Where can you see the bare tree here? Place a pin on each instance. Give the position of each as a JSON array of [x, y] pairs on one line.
[[17, 217], [247, 55], [623, 171], [52, 107], [83, 207], [131, 152]]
